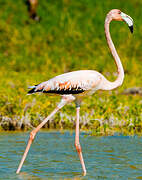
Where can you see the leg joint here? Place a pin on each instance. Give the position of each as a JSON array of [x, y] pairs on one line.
[[32, 135], [78, 147]]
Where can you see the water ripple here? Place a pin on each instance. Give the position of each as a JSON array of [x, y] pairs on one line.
[[53, 156]]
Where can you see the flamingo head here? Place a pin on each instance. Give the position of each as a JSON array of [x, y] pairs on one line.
[[117, 15]]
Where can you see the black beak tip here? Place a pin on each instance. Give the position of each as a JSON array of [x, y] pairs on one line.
[[131, 28]]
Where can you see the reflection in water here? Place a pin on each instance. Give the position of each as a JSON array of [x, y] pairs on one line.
[[53, 156]]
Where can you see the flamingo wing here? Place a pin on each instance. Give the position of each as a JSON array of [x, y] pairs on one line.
[[69, 83]]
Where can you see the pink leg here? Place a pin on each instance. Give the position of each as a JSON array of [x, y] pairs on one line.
[[64, 101], [77, 144]]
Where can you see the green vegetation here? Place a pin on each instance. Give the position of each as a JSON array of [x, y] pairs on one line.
[[70, 36]]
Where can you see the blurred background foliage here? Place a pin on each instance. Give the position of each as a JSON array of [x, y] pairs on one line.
[[69, 36]]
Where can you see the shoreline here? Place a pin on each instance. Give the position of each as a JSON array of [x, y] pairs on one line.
[[90, 130]]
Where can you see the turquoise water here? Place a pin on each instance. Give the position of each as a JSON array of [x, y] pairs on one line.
[[53, 156]]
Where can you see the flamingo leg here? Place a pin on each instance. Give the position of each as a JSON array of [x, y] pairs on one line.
[[77, 144], [64, 101]]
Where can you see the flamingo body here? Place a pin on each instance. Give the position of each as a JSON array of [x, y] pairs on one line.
[[78, 83]]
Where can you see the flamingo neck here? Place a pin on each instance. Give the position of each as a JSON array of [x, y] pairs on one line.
[[120, 77]]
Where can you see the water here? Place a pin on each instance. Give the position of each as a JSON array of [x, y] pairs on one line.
[[53, 156]]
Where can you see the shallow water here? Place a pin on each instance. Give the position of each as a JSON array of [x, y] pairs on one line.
[[53, 156]]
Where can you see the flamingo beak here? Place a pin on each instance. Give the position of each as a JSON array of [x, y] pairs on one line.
[[128, 20]]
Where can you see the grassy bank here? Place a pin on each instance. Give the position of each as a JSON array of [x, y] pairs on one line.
[[70, 36]]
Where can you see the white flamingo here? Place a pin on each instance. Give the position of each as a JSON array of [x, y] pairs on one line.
[[73, 86]]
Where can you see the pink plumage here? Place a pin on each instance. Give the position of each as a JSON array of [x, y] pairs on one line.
[[75, 82]]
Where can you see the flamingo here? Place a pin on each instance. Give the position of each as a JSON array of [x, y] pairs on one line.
[[74, 86], [32, 9]]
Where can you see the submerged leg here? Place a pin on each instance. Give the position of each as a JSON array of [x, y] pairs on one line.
[[77, 144], [64, 101]]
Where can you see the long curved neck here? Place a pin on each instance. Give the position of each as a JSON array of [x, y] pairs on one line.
[[120, 77]]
